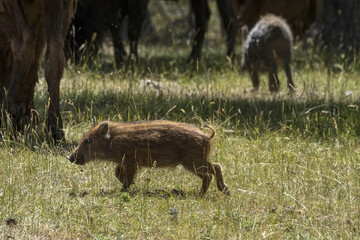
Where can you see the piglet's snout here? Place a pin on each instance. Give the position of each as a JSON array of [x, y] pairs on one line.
[[71, 158], [76, 158]]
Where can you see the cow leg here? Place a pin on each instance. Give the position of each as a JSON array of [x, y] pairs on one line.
[[53, 72], [58, 16], [119, 50], [23, 49], [228, 18], [137, 13], [4, 75], [28, 90], [5, 69], [32, 78], [202, 15]]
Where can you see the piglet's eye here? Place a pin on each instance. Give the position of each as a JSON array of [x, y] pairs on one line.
[[88, 140]]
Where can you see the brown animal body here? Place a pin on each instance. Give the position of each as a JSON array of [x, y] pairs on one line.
[[300, 14], [25, 28], [147, 144], [96, 16], [268, 42]]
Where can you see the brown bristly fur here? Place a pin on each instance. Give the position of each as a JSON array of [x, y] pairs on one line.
[[150, 144]]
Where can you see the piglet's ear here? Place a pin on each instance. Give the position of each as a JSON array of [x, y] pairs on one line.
[[103, 130]]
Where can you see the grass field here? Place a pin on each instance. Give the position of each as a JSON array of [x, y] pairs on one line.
[[291, 162]]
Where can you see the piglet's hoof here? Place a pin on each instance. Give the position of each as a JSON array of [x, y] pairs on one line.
[[226, 191], [124, 189]]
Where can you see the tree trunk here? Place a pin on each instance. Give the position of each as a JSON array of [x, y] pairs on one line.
[[337, 26]]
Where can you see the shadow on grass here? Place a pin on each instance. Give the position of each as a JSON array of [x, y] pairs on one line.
[[248, 117], [163, 64], [251, 116], [153, 193]]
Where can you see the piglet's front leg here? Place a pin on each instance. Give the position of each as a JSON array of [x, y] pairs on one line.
[[126, 175]]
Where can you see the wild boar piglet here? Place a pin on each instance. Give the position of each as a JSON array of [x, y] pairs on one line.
[[269, 42], [150, 144]]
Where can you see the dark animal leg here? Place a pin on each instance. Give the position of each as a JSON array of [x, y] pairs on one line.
[[206, 180], [56, 29], [137, 14], [228, 18], [5, 74], [29, 90], [205, 172], [23, 60], [126, 175], [119, 50], [274, 84], [32, 78], [220, 179], [53, 73], [254, 78], [271, 67], [290, 82], [202, 15]]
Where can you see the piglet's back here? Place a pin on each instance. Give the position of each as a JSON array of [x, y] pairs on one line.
[[157, 133]]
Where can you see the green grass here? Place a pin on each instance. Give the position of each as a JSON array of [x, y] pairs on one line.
[[282, 187], [291, 162]]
